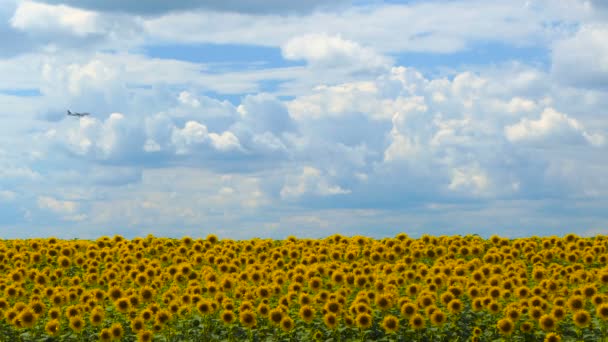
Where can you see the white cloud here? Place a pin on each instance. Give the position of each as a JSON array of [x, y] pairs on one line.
[[42, 18], [194, 134], [188, 99], [582, 60], [332, 51], [552, 127], [7, 195], [311, 181], [436, 27], [115, 138], [225, 142], [338, 100], [471, 179], [57, 206]]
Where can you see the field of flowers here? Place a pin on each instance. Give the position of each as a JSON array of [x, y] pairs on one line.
[[334, 289]]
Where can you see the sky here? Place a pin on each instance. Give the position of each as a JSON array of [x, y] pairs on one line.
[[269, 118]]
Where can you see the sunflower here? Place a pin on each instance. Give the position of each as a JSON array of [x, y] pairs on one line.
[[333, 307], [535, 313], [52, 327], [494, 306], [455, 306], [307, 313], [263, 309], [384, 302], [286, 323], [526, 327], [123, 305], [276, 315], [390, 324], [77, 323], [105, 335], [115, 293], [576, 303], [581, 318], [438, 317], [547, 322], [54, 313], [146, 293], [38, 307], [558, 312], [408, 310], [505, 326], [163, 316], [204, 307], [247, 318], [477, 304], [331, 320], [138, 324], [602, 311], [417, 322], [72, 311], [144, 336], [363, 320], [27, 318], [552, 337]]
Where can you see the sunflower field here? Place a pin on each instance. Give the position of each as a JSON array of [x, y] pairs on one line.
[[446, 288]]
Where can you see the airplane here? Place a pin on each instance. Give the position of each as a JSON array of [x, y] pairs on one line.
[[78, 114]]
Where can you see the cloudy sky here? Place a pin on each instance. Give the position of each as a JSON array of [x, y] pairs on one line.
[[270, 118]]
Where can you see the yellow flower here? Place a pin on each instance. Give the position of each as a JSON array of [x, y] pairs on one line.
[[505, 326], [307, 313], [526, 326], [123, 305], [330, 320], [144, 336], [390, 324], [417, 322], [602, 311], [27, 318], [455, 306], [576, 303], [581, 318], [52, 327], [105, 335], [138, 324], [248, 319], [287, 323], [363, 320], [547, 322], [552, 337], [76, 323], [438, 317]]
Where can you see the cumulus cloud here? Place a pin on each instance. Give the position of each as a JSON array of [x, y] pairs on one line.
[[471, 179], [552, 128], [194, 134], [582, 60], [68, 210], [338, 100], [57, 206], [333, 51], [37, 17], [310, 181], [115, 138]]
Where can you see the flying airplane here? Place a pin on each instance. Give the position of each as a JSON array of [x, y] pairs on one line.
[[78, 114]]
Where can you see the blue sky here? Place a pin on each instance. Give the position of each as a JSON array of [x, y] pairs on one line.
[[276, 118]]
